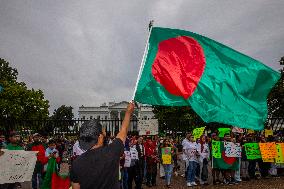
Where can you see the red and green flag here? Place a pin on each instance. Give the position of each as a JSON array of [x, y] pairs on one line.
[[224, 162], [52, 179], [181, 68]]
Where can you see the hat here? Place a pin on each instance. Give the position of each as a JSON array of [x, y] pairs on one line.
[[36, 134], [89, 133]]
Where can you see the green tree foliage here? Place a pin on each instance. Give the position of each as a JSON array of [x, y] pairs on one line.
[[16, 100], [63, 113], [276, 97]]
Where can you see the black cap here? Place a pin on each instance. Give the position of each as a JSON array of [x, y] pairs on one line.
[[89, 133]]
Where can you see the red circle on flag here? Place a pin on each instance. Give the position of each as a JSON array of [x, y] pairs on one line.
[[179, 65], [228, 160]]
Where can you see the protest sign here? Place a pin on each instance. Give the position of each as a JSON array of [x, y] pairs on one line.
[[197, 132], [270, 160], [223, 131], [268, 150], [280, 153], [166, 155], [216, 149], [17, 166], [148, 127], [232, 149], [127, 161], [252, 151], [249, 131], [268, 132], [237, 130]]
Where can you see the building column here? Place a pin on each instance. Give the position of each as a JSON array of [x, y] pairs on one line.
[[119, 118]]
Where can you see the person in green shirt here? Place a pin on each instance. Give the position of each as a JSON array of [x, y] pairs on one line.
[[14, 141]]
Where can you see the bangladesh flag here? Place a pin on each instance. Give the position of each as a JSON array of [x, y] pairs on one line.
[[182, 68], [52, 180], [225, 162]]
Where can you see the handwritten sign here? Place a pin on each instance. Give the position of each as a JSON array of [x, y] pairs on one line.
[[216, 149], [197, 132], [17, 166], [268, 132], [249, 131], [268, 150], [252, 151], [280, 153], [223, 131], [148, 127], [232, 149], [166, 155]]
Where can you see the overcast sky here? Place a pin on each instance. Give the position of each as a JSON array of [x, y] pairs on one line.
[[89, 52]]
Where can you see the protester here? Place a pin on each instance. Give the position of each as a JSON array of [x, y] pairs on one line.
[[41, 160], [190, 149], [141, 157], [151, 161], [133, 170], [99, 162], [51, 152], [203, 150], [166, 147]]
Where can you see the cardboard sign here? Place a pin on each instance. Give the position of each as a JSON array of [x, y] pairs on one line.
[[216, 149], [197, 132], [223, 131], [166, 155], [280, 153], [148, 127], [237, 130], [232, 149], [268, 132], [268, 150], [17, 166], [252, 151]]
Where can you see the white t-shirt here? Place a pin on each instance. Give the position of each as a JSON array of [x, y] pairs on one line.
[[190, 151], [205, 153]]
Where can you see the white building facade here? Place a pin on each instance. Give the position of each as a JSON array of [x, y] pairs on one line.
[[115, 111]]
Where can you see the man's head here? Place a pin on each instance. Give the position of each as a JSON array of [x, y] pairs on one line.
[[51, 144], [14, 137], [227, 137], [140, 140], [191, 138], [91, 134], [36, 137], [2, 138], [188, 136]]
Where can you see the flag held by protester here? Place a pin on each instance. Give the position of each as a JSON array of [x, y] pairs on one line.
[[52, 179], [182, 68]]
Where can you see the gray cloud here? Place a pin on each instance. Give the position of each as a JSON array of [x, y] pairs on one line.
[[88, 52]]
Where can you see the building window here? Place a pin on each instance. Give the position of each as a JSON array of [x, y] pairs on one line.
[[91, 117], [98, 117], [84, 117], [105, 117], [145, 117]]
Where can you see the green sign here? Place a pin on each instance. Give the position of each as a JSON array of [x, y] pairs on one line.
[[216, 149], [252, 151]]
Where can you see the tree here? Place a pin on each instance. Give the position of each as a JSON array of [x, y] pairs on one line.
[[63, 113], [16, 100], [275, 99]]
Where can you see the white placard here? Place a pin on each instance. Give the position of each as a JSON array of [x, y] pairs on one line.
[[127, 161], [17, 166], [148, 127], [232, 149]]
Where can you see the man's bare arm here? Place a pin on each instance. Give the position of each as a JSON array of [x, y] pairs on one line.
[[125, 124]]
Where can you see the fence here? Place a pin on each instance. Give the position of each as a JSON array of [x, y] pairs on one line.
[[71, 127]]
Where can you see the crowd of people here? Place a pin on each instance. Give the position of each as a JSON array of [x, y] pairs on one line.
[[142, 161]]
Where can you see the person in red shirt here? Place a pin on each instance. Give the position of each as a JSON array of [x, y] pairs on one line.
[[151, 162], [41, 160]]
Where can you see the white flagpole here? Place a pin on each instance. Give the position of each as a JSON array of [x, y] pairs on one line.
[[143, 59]]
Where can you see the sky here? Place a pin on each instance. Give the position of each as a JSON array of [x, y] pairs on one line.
[[89, 52]]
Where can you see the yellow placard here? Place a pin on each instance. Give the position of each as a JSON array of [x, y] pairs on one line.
[[250, 131], [197, 132], [268, 132], [167, 159]]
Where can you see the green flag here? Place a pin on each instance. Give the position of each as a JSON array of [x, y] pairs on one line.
[[182, 68]]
